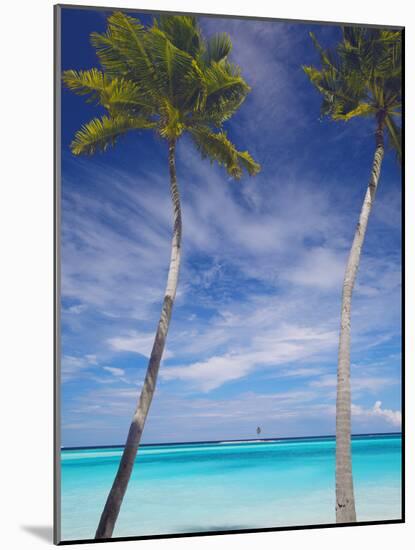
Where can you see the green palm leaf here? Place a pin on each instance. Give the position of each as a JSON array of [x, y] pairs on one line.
[[122, 52], [362, 109], [217, 147], [226, 91], [101, 133], [182, 31], [92, 83], [218, 48], [177, 74], [395, 137], [112, 93]]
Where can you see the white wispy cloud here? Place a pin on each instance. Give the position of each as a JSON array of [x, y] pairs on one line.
[[270, 349], [115, 371], [79, 308], [319, 267], [74, 366]]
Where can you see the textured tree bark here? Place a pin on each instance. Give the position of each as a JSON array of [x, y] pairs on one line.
[[119, 487], [345, 504]]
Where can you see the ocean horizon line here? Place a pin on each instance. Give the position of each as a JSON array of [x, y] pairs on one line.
[[253, 440]]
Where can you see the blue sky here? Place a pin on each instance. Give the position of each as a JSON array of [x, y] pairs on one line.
[[254, 333]]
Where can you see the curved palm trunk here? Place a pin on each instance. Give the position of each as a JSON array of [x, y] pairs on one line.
[[119, 487], [345, 505]]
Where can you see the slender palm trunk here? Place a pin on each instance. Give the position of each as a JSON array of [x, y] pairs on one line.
[[345, 505], [119, 487]]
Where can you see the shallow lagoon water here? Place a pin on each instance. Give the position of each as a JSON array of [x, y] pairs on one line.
[[194, 487]]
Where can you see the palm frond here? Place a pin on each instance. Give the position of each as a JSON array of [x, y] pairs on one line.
[[114, 94], [248, 163], [226, 90], [183, 32], [217, 147], [92, 83], [122, 52], [177, 75], [340, 96], [362, 109], [101, 133], [218, 47], [126, 96], [326, 56], [395, 136]]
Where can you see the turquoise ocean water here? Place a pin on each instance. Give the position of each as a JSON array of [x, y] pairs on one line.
[[182, 488]]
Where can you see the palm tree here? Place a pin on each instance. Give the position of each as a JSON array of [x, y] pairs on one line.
[[166, 78], [360, 77]]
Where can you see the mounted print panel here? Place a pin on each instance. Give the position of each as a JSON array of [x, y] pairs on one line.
[[228, 274]]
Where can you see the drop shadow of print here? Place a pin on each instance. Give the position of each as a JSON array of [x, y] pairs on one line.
[[43, 532]]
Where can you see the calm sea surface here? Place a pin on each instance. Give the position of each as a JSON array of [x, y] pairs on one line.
[[229, 485]]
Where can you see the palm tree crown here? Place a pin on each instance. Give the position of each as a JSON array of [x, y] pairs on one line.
[[166, 78], [362, 77]]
